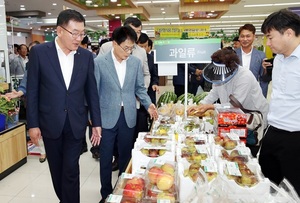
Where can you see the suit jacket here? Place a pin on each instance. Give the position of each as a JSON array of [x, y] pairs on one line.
[[49, 102], [256, 67], [112, 95], [138, 52], [17, 66]]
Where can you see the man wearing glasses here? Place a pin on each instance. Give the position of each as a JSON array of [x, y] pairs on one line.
[[60, 79], [120, 80]]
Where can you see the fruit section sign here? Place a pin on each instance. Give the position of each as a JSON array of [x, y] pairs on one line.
[[185, 51], [192, 31]]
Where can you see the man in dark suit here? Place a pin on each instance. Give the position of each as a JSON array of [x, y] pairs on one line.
[[120, 80], [60, 80]]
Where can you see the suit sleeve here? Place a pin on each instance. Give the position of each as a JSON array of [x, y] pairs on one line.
[[33, 81], [146, 69], [92, 94]]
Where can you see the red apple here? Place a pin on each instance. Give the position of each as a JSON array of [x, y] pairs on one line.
[[154, 173], [133, 191]]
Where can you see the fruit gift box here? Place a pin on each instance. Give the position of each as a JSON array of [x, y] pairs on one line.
[[161, 181], [243, 180], [191, 139], [156, 140], [226, 116], [143, 152], [130, 186], [192, 153], [189, 175]]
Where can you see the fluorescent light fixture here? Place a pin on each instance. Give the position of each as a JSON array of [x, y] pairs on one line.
[[176, 18], [113, 1], [157, 1], [246, 16], [22, 6], [277, 4], [88, 1], [22, 9], [54, 4], [144, 2]]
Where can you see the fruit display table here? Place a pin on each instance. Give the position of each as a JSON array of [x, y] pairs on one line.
[[13, 149]]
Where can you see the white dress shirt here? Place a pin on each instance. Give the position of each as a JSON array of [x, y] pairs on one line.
[[284, 110], [66, 63], [246, 59]]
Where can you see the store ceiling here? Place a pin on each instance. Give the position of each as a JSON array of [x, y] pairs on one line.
[[227, 15]]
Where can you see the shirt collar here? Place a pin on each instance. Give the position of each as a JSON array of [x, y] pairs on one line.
[[60, 50], [114, 57]]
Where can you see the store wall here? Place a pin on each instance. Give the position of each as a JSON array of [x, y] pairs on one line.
[[4, 69]]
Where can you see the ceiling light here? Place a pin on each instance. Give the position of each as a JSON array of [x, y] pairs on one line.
[[84, 15], [22, 6], [277, 4], [22, 9], [49, 13], [54, 4], [162, 9], [119, 4], [117, 17], [164, 12], [196, 1], [113, 1], [96, 5], [88, 1]]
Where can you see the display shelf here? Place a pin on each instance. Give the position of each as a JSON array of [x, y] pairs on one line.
[[13, 149]]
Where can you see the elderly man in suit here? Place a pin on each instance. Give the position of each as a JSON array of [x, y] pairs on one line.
[[60, 79], [18, 64], [250, 57], [120, 80]]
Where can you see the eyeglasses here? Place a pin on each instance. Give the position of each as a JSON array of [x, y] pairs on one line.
[[75, 35], [127, 49]]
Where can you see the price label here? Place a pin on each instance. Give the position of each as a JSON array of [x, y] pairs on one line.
[[201, 149], [163, 201], [233, 136], [239, 132], [127, 175], [114, 198], [159, 161], [209, 165], [243, 151], [233, 169]]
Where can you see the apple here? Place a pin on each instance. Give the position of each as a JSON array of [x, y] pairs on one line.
[[225, 154], [168, 168], [249, 181], [145, 151], [146, 139], [153, 173], [242, 166], [165, 181], [163, 141], [161, 152], [189, 141], [155, 141], [229, 144], [133, 191], [234, 153], [246, 172], [239, 159], [153, 152], [211, 176], [218, 140], [136, 180], [151, 193]]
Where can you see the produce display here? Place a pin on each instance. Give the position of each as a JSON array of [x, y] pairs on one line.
[[189, 160]]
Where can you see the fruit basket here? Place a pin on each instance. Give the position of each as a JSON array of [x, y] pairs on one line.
[[161, 178], [143, 152], [130, 186]]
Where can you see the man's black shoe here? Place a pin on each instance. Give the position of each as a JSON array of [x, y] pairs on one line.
[[102, 201], [115, 165], [96, 155]]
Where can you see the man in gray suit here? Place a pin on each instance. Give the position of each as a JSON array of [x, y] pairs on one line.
[[18, 64], [141, 54], [120, 80], [250, 57]]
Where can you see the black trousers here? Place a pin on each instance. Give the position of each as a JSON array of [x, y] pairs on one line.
[[279, 156]]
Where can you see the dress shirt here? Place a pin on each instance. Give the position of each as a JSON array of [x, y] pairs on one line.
[[66, 63], [284, 110], [120, 68], [246, 57]]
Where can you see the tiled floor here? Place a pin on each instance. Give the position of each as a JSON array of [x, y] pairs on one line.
[[31, 183]]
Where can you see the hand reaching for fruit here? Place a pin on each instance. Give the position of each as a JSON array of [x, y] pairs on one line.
[[200, 109]]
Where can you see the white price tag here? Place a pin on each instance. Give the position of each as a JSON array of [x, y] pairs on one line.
[[201, 149], [244, 151], [233, 169], [239, 132], [233, 136], [159, 161], [114, 198], [209, 165], [127, 175], [163, 201]]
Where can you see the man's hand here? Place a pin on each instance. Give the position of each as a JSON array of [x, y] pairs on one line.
[[14, 94], [155, 88], [199, 110], [35, 134], [153, 112], [96, 136]]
